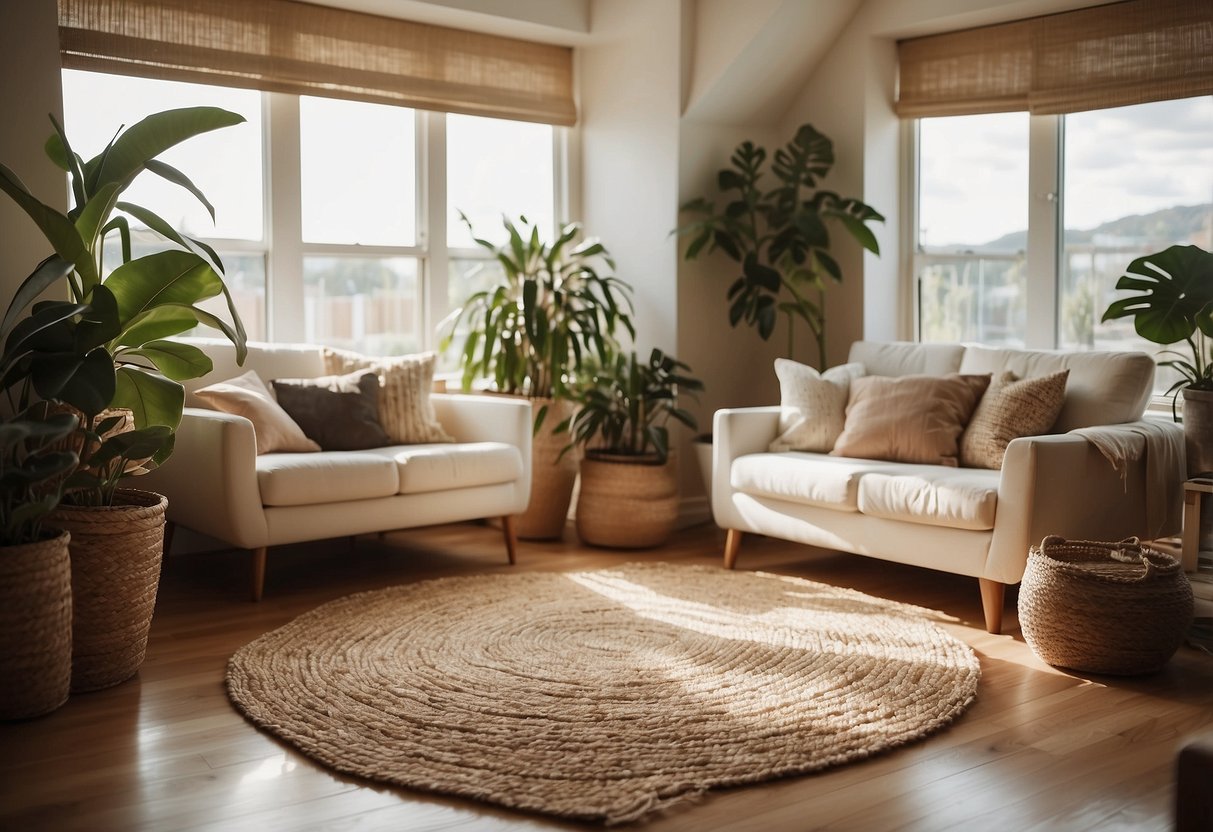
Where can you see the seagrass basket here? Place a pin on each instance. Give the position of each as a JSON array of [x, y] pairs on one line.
[[1101, 607], [116, 553], [625, 503], [35, 627]]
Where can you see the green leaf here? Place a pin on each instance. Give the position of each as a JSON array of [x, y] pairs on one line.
[[157, 224], [859, 231], [59, 231], [168, 277], [144, 141], [100, 323], [59, 149], [1176, 294], [85, 383], [96, 214], [161, 322], [176, 360], [178, 178], [47, 273], [153, 399]]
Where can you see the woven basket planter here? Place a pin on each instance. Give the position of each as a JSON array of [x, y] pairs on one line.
[[552, 477], [1117, 608], [116, 553], [625, 504], [35, 627]]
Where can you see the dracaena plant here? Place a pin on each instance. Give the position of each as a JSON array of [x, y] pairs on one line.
[[106, 347], [779, 236], [625, 405], [552, 309], [1173, 304]]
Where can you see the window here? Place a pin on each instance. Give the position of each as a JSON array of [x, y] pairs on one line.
[[225, 165], [342, 249], [1130, 181]]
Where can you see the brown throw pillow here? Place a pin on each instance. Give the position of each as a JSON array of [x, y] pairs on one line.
[[248, 396], [1011, 409], [405, 410], [340, 412], [909, 418]]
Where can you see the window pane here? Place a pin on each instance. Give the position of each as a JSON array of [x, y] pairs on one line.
[[225, 164], [466, 276], [973, 221], [359, 172], [497, 167], [1137, 180], [365, 304]]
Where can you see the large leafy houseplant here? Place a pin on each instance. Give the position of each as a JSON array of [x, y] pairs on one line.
[[780, 236], [106, 347], [624, 409], [1173, 303], [551, 310]]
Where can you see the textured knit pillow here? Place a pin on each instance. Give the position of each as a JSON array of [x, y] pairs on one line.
[[909, 418], [405, 410], [814, 405], [340, 412], [1011, 409], [248, 396]]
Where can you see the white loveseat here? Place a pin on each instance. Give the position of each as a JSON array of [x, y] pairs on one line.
[[218, 485], [966, 521]]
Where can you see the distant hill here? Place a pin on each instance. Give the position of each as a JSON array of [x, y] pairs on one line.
[[1183, 222]]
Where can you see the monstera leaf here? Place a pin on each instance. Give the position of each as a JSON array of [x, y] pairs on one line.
[[1174, 295]]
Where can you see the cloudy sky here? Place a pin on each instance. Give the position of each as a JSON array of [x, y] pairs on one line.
[[1129, 160]]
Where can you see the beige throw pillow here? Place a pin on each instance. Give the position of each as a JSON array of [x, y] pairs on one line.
[[405, 410], [248, 396], [909, 418], [814, 405], [1011, 409]]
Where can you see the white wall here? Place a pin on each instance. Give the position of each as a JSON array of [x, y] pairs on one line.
[[630, 86], [29, 89]]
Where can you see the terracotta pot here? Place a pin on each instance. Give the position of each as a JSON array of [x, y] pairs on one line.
[[35, 627], [627, 502], [1198, 431], [116, 553]]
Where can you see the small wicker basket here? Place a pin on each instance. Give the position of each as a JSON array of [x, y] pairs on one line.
[[1117, 608]]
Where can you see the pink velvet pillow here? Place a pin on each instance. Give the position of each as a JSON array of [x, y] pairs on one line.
[[909, 418]]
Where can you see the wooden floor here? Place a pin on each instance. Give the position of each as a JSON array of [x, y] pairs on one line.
[[1040, 749]]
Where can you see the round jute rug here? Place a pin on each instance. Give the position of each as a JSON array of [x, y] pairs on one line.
[[602, 695]]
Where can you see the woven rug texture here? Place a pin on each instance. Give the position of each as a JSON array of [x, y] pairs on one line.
[[602, 695]]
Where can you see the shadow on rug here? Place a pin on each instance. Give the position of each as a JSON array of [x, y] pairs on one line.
[[602, 695]]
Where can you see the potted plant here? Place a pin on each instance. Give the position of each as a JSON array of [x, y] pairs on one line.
[[107, 360], [528, 334], [780, 239], [35, 572], [629, 486], [1174, 303]]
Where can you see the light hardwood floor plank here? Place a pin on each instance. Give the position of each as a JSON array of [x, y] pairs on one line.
[[1039, 749]]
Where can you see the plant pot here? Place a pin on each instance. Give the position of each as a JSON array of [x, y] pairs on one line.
[[552, 478], [627, 502], [1198, 431], [35, 627], [116, 552]]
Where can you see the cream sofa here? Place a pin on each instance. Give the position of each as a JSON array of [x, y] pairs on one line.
[[966, 521], [218, 485]]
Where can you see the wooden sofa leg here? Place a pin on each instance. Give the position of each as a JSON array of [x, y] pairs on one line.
[[511, 537], [992, 595], [258, 572], [732, 542]]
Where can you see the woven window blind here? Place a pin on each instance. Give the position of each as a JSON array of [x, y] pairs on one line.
[[288, 46], [1105, 56]]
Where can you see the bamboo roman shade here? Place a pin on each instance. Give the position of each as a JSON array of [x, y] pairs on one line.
[[1105, 56], [287, 46]]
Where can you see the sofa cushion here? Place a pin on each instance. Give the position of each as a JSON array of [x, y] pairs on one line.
[[329, 477], [909, 418], [246, 395], [933, 495], [423, 468], [814, 405], [1104, 388], [340, 412], [1010, 409], [810, 479], [904, 358], [405, 410]]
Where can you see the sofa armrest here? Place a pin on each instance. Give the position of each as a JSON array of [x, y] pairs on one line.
[[489, 418], [211, 478], [1062, 484], [736, 432]]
